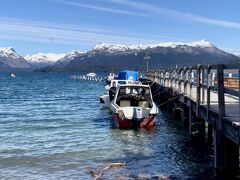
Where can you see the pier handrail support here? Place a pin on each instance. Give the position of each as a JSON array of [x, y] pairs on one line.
[[221, 98], [198, 95], [202, 85], [181, 79], [208, 89], [185, 80], [191, 81]]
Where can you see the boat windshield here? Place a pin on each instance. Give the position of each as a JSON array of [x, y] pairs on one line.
[[135, 90], [135, 95]]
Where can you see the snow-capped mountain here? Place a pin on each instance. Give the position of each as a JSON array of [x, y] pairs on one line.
[[43, 59], [10, 59], [117, 56], [9, 52], [121, 47], [70, 56]]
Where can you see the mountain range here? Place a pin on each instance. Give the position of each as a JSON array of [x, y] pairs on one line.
[[113, 57]]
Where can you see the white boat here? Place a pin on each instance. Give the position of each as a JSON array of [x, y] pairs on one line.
[[133, 107], [92, 74], [13, 75]]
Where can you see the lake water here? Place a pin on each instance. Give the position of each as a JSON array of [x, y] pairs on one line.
[[53, 127]]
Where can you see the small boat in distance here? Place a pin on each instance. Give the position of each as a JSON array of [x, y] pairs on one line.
[[13, 75], [133, 107], [92, 74]]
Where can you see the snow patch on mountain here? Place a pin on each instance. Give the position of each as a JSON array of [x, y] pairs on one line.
[[72, 55], [6, 52], [237, 53], [121, 47], [49, 58]]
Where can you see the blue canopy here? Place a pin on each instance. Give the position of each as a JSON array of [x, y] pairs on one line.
[[128, 75]]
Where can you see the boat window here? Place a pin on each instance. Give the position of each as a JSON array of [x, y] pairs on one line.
[[137, 95], [134, 90], [122, 91], [121, 82]]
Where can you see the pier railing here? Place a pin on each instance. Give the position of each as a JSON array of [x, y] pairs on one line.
[[207, 85]]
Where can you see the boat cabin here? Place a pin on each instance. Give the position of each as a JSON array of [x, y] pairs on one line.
[[134, 95]]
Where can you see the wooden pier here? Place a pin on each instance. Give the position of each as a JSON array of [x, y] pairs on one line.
[[210, 103], [87, 78]]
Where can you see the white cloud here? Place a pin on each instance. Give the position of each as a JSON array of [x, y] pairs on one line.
[[154, 9], [46, 32], [101, 8]]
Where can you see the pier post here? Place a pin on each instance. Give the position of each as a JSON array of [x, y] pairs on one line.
[[185, 80], [185, 120], [198, 95], [210, 134], [191, 81], [190, 120], [226, 154], [178, 113], [218, 149], [202, 88], [202, 132], [210, 127], [199, 127], [196, 128], [221, 98], [231, 156]]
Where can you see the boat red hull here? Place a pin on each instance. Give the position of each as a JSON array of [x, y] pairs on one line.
[[147, 122]]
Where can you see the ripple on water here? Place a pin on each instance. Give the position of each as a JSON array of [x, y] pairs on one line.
[[53, 127]]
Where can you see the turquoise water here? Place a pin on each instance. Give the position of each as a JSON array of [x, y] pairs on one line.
[[53, 127]]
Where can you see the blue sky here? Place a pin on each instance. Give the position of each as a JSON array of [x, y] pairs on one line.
[[63, 25]]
